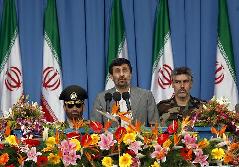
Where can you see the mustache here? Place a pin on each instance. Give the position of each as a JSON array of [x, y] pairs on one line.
[[122, 78], [182, 90]]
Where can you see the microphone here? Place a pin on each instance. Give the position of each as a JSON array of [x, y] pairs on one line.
[[237, 108], [117, 97], [126, 96], [108, 98]]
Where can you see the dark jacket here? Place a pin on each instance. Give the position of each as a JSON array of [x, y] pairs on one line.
[[169, 109]]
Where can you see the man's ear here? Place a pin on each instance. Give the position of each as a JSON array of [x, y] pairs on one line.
[[64, 107], [111, 76]]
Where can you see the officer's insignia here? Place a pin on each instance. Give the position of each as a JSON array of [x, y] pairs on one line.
[[73, 96]]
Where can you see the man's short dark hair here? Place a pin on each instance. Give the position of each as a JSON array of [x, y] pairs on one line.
[[119, 62], [182, 70]]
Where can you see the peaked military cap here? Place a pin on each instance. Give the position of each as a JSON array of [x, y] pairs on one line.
[[73, 93]]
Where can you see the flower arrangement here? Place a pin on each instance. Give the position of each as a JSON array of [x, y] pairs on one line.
[[24, 116], [216, 113], [132, 145]]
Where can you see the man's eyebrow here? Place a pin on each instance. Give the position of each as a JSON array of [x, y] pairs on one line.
[[181, 80]]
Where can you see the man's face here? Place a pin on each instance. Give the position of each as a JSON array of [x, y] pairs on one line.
[[121, 76], [74, 109], [182, 85]]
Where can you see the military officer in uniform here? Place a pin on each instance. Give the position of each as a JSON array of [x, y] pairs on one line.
[[74, 97], [181, 104]]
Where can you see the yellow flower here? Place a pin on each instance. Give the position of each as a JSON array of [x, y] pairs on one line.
[[218, 153], [129, 129], [54, 159], [48, 149], [95, 139], [156, 164], [167, 143], [107, 161], [11, 140], [125, 160], [77, 143], [129, 138], [50, 142]]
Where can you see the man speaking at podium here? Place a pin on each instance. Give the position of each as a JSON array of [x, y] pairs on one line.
[[139, 103]]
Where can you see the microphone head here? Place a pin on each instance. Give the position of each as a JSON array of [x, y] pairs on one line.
[[116, 96], [125, 95], [108, 96]]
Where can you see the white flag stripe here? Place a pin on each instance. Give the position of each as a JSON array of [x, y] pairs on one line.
[[165, 58], [51, 72], [227, 87], [225, 73], [55, 106], [8, 98]]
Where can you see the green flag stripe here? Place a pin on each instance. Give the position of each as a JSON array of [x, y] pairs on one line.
[[4, 57], [51, 33], [161, 52], [229, 64], [224, 35], [117, 32], [161, 33], [8, 29], [53, 50]]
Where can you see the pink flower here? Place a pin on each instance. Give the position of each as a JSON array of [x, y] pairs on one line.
[[135, 146], [66, 145], [159, 153], [70, 157], [200, 158], [189, 141], [106, 141], [136, 162], [32, 154]]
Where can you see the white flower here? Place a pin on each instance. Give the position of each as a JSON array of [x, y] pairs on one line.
[[204, 106], [223, 100], [45, 133]]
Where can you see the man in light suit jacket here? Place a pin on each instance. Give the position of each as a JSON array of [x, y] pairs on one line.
[[143, 106]]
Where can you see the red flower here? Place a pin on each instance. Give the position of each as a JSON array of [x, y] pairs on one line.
[[162, 138], [42, 160], [96, 126], [119, 133], [1, 146], [86, 140], [73, 134], [32, 142], [186, 153], [173, 127], [11, 165], [130, 152]]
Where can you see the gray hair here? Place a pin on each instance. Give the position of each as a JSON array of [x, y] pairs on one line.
[[182, 70]]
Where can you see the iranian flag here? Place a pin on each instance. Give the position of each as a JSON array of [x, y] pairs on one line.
[[11, 82], [162, 55], [51, 73], [225, 74], [117, 39]]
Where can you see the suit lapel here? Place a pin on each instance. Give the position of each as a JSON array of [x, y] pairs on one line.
[[134, 100]]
